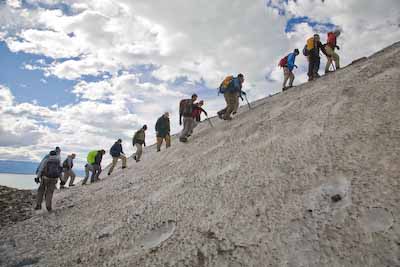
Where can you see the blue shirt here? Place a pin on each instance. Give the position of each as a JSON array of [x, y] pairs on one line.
[[290, 61]]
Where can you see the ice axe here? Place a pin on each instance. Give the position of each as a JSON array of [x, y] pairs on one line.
[[245, 97]]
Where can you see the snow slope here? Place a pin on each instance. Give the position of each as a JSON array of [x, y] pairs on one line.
[[255, 191]]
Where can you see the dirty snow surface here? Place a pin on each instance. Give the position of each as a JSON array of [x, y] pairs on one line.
[[255, 191]]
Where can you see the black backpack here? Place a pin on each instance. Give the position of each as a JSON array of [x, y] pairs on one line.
[[52, 168], [65, 164], [186, 107]]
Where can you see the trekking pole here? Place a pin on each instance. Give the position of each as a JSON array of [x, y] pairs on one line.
[[245, 97], [209, 121], [333, 66]]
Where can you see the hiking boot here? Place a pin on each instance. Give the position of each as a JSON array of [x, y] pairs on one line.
[[183, 139], [220, 115], [134, 157], [234, 113], [158, 150], [228, 118], [328, 71], [38, 207], [137, 160], [71, 185], [49, 209], [109, 174], [123, 167], [62, 187]]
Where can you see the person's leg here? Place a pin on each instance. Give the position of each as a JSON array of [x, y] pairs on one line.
[[329, 52], [186, 127], [93, 169], [310, 68], [114, 162], [39, 195], [336, 59], [231, 99], [51, 185], [159, 143], [87, 169], [72, 179], [285, 77], [123, 158], [168, 140], [291, 79], [139, 151], [316, 67]]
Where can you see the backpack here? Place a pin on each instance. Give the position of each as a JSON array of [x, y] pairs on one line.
[[185, 107], [91, 156], [305, 51], [283, 62], [65, 164], [331, 39], [52, 168], [114, 151], [227, 82]]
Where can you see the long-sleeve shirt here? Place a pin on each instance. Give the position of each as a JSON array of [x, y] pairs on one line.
[[70, 163], [291, 61]]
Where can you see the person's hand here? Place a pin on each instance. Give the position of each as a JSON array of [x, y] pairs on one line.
[[295, 66], [37, 180], [338, 48], [205, 113], [244, 93]]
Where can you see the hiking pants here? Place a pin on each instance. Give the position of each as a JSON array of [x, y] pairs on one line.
[[232, 101], [160, 140], [95, 169], [313, 67], [46, 189], [68, 174], [287, 75], [333, 56], [139, 151], [187, 126], [115, 161]]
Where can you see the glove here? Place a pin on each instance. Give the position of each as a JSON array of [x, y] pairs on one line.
[[205, 113], [37, 180], [338, 48], [295, 66], [144, 144], [244, 93], [180, 122]]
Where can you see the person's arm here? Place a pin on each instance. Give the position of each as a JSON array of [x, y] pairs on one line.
[[122, 151], [41, 167], [323, 49], [157, 125], [202, 110]]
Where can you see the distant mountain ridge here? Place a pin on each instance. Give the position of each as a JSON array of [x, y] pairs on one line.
[[24, 167], [18, 167]]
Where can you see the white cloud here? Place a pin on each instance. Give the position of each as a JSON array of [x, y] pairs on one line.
[[196, 41]]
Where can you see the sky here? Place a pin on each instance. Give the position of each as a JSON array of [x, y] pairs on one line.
[[81, 74]]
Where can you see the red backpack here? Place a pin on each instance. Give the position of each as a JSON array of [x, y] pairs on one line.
[[331, 39], [283, 62]]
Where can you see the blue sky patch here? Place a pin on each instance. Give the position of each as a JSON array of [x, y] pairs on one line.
[[318, 26]]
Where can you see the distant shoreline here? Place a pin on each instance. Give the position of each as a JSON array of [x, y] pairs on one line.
[[16, 173]]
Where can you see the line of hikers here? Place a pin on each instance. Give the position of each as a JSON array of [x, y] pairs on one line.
[[50, 168], [312, 51]]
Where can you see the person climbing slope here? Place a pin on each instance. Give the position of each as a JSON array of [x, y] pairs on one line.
[[288, 64], [116, 153], [231, 87], [311, 51], [48, 174], [197, 110], [93, 165], [138, 140], [68, 173], [163, 131], [186, 111], [330, 47]]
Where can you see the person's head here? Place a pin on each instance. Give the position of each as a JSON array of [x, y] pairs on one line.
[[316, 37], [241, 77], [73, 155], [166, 114], [337, 32], [58, 150], [194, 97], [53, 153], [119, 141], [102, 151], [296, 51], [144, 127]]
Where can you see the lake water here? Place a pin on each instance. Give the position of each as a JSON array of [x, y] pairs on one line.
[[22, 181]]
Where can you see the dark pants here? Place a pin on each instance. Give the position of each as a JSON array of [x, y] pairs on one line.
[[313, 67], [46, 189], [95, 169]]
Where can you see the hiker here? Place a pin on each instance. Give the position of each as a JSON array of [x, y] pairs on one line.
[[41, 164], [49, 174], [138, 140], [222, 112], [331, 55], [67, 165], [116, 153], [311, 50], [231, 87], [185, 110], [197, 110], [163, 131], [287, 63], [93, 165]]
